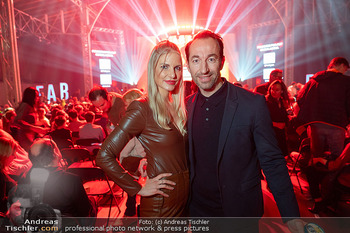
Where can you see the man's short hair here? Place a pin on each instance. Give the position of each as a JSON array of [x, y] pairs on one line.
[[132, 94], [338, 61], [98, 91], [60, 120], [89, 116], [79, 107], [46, 155], [274, 74], [206, 34], [73, 113]]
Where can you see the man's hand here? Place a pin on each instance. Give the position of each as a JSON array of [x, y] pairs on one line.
[[296, 225]]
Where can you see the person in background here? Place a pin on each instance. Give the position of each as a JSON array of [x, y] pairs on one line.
[[19, 200], [132, 154], [8, 119], [7, 146], [293, 91], [42, 120], [17, 164], [276, 74], [277, 101], [322, 175], [90, 130], [323, 106], [74, 123], [61, 134], [230, 140], [158, 121], [110, 103], [102, 120], [131, 95], [338, 164], [323, 110], [62, 190], [26, 119], [80, 110]]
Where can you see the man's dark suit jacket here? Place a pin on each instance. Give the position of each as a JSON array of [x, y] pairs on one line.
[[247, 143], [65, 191]]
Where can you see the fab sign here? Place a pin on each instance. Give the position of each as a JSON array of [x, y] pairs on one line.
[[51, 95]]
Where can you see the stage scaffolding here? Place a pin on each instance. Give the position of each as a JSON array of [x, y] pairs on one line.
[[14, 23]]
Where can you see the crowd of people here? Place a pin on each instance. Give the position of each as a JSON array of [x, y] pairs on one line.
[[203, 155]]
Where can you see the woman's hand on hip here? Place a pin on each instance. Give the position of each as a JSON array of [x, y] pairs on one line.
[[153, 186]]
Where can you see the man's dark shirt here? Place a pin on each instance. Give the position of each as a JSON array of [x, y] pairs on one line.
[[117, 110], [62, 137], [208, 115], [325, 98], [262, 88]]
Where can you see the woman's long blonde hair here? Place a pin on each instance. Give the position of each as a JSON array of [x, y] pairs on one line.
[[159, 106]]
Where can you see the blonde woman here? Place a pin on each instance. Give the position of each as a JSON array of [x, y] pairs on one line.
[[17, 161], [158, 121]]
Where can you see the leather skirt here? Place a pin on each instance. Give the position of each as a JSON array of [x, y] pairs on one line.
[[172, 206]]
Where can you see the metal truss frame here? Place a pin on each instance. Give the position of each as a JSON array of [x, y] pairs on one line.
[[63, 24], [47, 29], [286, 10], [9, 54]]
